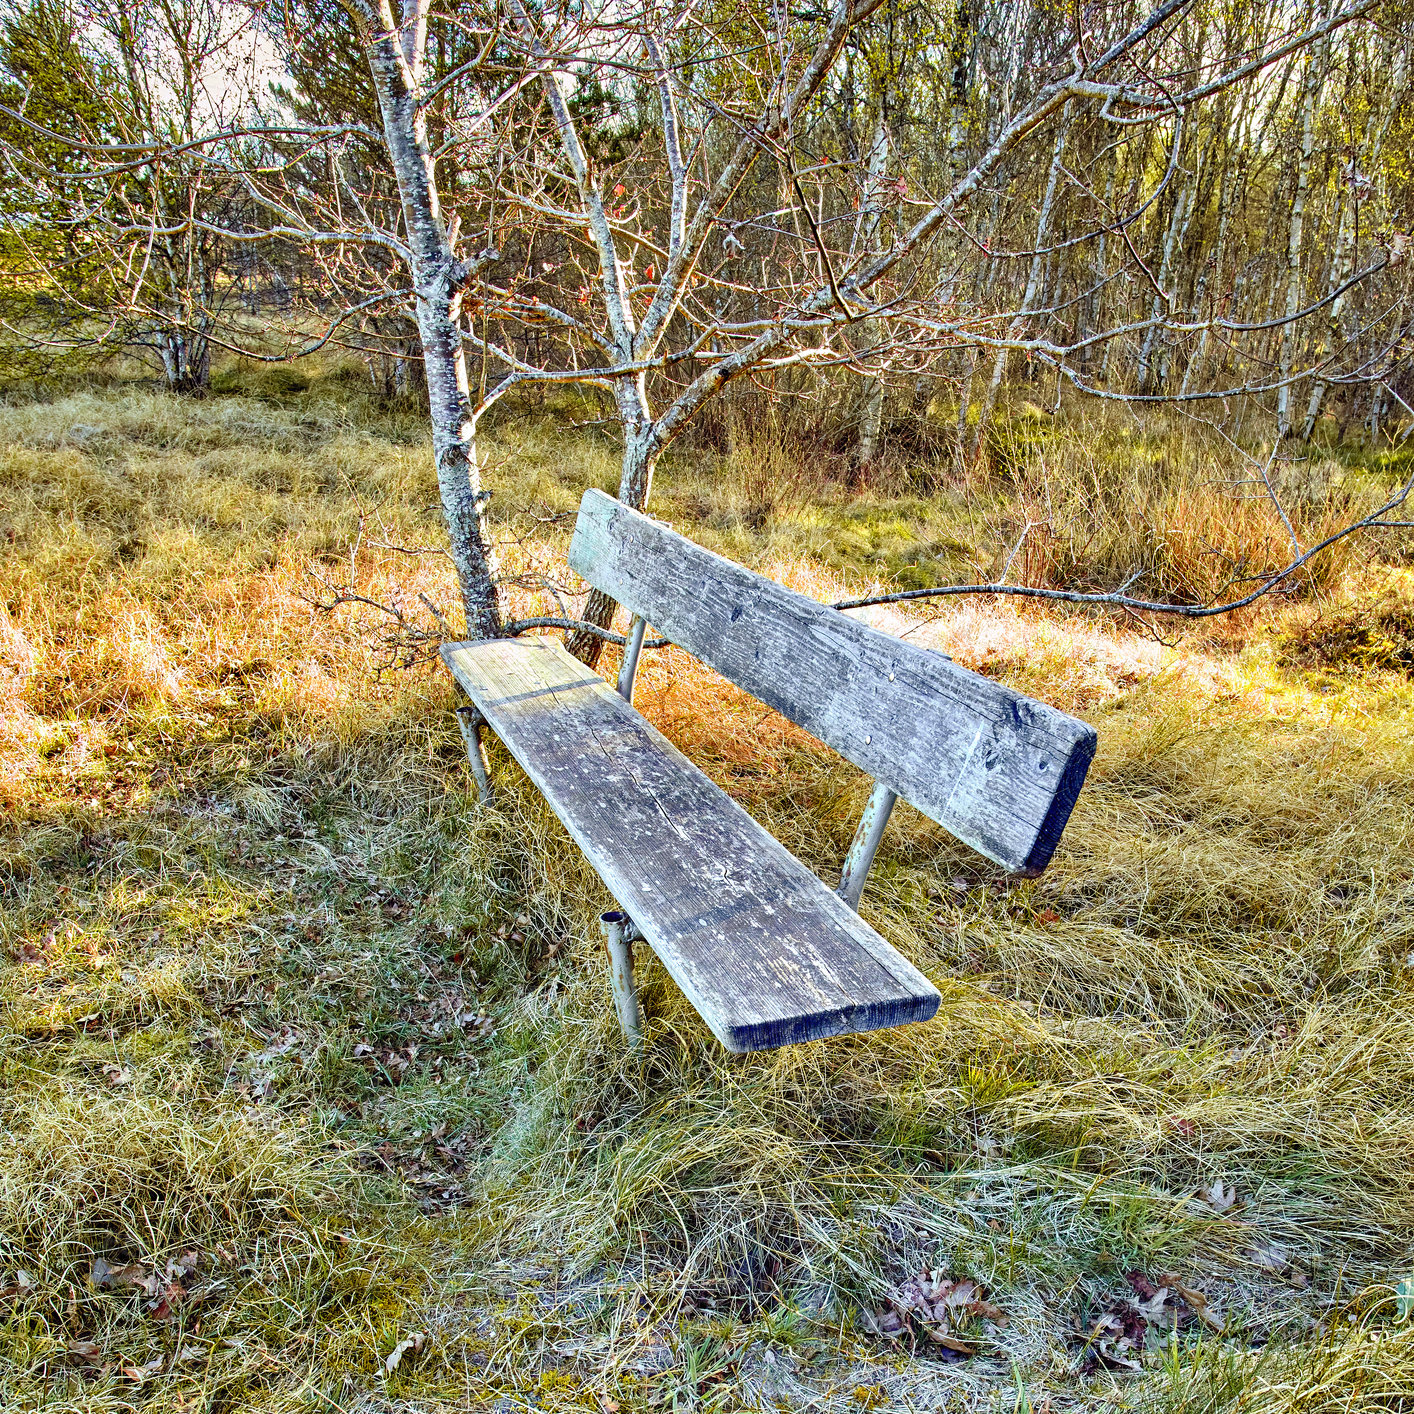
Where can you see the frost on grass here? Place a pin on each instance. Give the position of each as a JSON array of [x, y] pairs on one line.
[[309, 1070]]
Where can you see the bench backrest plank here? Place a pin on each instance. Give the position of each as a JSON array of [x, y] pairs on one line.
[[995, 768]]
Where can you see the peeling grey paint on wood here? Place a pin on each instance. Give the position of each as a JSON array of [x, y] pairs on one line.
[[995, 768], [766, 952]]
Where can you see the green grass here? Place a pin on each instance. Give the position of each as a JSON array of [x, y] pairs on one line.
[[290, 1023]]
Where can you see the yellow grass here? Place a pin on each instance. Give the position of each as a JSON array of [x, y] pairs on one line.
[[277, 994]]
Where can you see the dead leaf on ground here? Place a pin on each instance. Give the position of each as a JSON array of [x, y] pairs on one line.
[[167, 1301], [138, 1373], [1198, 1303], [1116, 1338], [134, 1274], [1220, 1197], [931, 1305], [86, 1350], [410, 1345], [115, 1074], [1270, 1257]]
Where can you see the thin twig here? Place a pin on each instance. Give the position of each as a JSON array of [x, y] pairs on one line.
[[519, 626]]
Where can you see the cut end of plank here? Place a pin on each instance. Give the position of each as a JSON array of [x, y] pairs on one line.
[[770, 1035]]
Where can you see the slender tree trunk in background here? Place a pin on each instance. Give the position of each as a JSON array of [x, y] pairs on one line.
[[964, 402], [1340, 272], [1033, 281], [1315, 72], [871, 419], [1227, 187], [635, 485], [395, 61], [1395, 68], [1151, 354], [1094, 301]]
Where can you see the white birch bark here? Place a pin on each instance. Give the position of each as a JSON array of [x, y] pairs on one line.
[[396, 57]]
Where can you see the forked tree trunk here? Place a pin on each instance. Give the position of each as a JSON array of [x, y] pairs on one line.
[[395, 61], [186, 360]]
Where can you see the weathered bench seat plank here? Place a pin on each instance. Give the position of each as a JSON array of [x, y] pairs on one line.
[[766, 953]]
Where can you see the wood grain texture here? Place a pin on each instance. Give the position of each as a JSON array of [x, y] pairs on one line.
[[997, 769], [765, 952]]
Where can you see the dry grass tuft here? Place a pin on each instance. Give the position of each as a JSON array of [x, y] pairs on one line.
[[1375, 637]]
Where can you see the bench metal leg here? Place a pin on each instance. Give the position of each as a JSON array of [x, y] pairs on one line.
[[866, 843], [619, 933], [632, 649], [471, 722]]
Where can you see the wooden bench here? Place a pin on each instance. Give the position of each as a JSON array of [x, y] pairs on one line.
[[766, 952]]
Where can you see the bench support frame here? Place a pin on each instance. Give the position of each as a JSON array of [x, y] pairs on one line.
[[630, 664], [472, 723], [619, 933], [857, 862]]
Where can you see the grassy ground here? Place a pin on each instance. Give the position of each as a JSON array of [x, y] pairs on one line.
[[313, 1095]]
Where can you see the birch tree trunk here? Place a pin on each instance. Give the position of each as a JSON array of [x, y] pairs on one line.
[[1340, 272], [1232, 160], [1151, 360], [396, 57]]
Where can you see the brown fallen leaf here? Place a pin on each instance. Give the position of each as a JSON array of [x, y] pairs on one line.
[[87, 1350], [1199, 1304], [949, 1342], [930, 1304], [170, 1297], [1116, 1339], [1220, 1198], [134, 1274], [987, 1311], [882, 1323], [138, 1373], [1270, 1257]]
